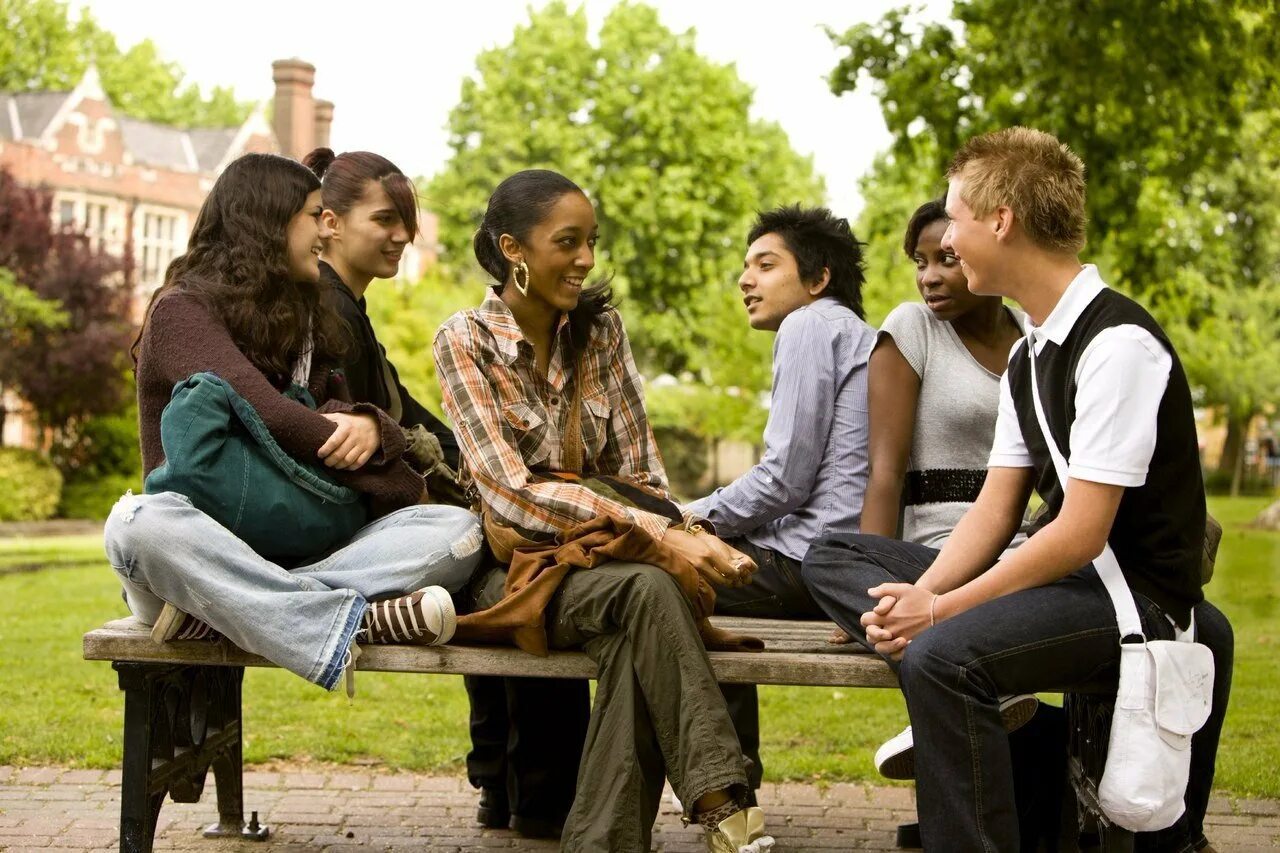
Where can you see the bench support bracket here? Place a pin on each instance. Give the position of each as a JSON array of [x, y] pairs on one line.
[[180, 722]]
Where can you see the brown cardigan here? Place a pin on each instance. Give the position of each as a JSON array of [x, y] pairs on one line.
[[536, 570], [182, 337]]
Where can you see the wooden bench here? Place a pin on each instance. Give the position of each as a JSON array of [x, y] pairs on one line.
[[182, 701]]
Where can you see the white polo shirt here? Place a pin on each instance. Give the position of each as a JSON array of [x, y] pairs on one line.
[[1120, 380]]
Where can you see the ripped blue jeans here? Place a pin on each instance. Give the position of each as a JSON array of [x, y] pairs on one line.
[[301, 619]]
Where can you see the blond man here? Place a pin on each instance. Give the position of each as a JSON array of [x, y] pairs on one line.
[[965, 627]]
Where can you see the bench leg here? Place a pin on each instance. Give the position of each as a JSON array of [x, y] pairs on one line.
[[227, 762], [1089, 718], [178, 722]]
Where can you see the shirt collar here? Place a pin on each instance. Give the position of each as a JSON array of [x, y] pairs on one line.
[[497, 317], [1079, 293]]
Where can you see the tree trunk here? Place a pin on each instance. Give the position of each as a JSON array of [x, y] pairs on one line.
[[1232, 461]]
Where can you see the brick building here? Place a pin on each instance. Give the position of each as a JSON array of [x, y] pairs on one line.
[[136, 185]]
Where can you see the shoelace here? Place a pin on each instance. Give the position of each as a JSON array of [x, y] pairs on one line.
[[387, 618]]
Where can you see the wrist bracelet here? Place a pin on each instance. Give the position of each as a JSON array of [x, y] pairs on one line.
[[932, 604]]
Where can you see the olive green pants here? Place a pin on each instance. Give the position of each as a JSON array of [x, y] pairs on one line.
[[658, 711]]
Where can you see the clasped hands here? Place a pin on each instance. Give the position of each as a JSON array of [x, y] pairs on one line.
[[902, 611]]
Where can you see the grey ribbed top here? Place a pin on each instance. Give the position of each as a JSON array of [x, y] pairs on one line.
[[955, 413]]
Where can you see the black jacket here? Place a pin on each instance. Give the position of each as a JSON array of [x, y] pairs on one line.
[[366, 378]]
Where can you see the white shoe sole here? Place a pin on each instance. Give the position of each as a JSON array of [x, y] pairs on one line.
[[448, 616], [896, 757], [167, 623]]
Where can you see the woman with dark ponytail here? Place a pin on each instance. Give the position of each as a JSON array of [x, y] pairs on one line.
[[242, 318], [549, 410], [371, 214]]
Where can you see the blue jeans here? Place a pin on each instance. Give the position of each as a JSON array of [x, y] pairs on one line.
[[301, 619], [1051, 638]]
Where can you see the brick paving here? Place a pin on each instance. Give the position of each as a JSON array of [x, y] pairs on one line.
[[350, 809]]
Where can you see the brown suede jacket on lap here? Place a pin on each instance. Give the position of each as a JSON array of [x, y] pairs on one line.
[[183, 337], [536, 570]]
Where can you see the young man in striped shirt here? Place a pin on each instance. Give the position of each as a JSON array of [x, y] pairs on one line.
[[802, 279]]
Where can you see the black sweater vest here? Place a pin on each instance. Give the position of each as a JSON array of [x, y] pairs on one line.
[[1158, 533]]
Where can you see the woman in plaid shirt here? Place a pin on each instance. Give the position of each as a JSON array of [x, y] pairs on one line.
[[509, 370]]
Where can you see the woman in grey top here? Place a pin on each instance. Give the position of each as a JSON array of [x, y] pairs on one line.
[[933, 391]]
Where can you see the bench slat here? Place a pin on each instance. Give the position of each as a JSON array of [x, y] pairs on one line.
[[796, 653]]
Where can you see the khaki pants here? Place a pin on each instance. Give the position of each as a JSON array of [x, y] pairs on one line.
[[658, 711]]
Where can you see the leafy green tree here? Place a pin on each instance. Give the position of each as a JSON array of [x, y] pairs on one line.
[[663, 141], [23, 315], [1178, 204], [42, 47], [1127, 85], [406, 316], [1213, 244]]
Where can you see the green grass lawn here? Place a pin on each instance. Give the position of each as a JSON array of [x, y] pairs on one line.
[[57, 708]]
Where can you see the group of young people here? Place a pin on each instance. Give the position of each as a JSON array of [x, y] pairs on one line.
[[890, 497]]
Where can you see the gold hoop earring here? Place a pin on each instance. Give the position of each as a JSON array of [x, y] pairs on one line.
[[521, 267]]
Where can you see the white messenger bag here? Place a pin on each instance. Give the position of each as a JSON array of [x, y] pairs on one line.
[[1165, 694]]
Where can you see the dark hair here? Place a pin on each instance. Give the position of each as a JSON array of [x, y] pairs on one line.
[[925, 215], [236, 263], [343, 177], [819, 240], [516, 206]]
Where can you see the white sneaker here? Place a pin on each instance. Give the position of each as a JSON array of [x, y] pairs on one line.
[[896, 757]]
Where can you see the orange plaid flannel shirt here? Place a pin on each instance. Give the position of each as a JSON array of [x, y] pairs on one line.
[[510, 420]]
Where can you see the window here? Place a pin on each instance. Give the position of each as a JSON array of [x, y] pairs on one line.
[[160, 242]]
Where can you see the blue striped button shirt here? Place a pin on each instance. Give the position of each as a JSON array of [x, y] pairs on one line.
[[813, 474]]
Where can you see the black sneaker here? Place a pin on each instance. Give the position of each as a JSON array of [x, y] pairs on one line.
[[493, 811]]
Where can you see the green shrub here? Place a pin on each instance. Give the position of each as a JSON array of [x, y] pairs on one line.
[[30, 485], [1251, 484], [94, 498], [100, 447]]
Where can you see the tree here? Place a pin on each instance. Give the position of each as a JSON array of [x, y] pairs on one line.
[[1178, 205], [1127, 86], [663, 141], [74, 367], [1214, 249], [41, 47]]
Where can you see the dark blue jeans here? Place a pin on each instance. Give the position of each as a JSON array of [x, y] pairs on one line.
[[776, 591], [1048, 639]]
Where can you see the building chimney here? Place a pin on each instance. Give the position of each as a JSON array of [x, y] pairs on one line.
[[324, 118], [294, 121]]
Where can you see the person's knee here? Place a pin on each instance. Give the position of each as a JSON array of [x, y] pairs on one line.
[[142, 524], [465, 536], [1214, 629], [652, 587], [923, 661], [832, 553]]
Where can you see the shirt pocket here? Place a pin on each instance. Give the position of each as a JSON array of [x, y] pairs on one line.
[[595, 425], [529, 423]]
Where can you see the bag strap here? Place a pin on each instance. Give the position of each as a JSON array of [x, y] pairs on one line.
[[1107, 566], [573, 454]]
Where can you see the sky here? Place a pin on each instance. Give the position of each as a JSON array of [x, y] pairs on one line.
[[394, 68]]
